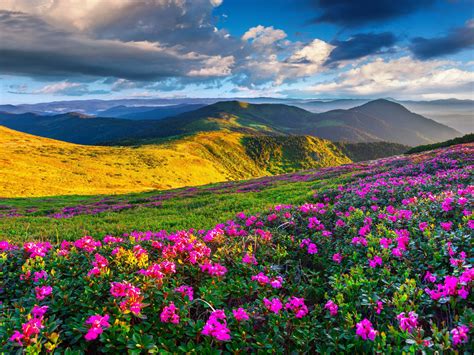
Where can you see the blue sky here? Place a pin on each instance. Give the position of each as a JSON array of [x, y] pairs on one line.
[[103, 49]]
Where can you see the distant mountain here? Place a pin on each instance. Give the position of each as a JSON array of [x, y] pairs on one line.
[[378, 120], [381, 120], [158, 113], [78, 128]]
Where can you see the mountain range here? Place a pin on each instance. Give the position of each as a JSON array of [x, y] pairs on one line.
[[458, 114], [375, 121]]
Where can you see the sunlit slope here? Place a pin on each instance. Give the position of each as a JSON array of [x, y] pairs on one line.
[[36, 166]]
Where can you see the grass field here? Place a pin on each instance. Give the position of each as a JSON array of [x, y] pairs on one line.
[[177, 209], [36, 166]]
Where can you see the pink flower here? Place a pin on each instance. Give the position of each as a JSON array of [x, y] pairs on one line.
[[87, 243], [446, 225], [240, 314], [273, 305], [312, 248], [359, 241], [379, 308], [459, 335], [261, 278], [169, 314], [423, 226], [377, 260], [297, 305], [185, 291], [216, 326], [277, 282], [99, 264], [42, 292], [40, 275], [97, 323], [249, 259], [385, 242], [429, 277], [337, 258], [365, 330], [409, 322], [332, 307], [214, 269], [39, 312], [17, 337]]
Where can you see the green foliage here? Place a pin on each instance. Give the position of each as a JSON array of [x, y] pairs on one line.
[[467, 138]]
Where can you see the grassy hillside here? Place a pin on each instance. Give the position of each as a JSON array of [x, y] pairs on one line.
[[35, 166], [468, 138], [278, 154], [372, 150]]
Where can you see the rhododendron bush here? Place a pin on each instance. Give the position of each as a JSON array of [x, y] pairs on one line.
[[383, 263]]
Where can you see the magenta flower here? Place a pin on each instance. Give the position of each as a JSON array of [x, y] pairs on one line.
[[331, 307], [169, 314], [446, 225], [385, 242], [39, 312], [379, 307], [408, 323], [376, 261], [40, 275], [337, 258], [365, 330], [240, 314], [186, 291], [42, 292], [216, 326], [423, 226], [460, 335], [274, 305], [429, 277], [214, 269], [17, 337], [277, 282], [97, 323], [297, 305], [249, 259]]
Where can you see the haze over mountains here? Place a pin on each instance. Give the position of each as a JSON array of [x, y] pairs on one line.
[[378, 120], [458, 114]]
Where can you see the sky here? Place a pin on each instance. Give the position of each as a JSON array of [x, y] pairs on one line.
[[52, 50]]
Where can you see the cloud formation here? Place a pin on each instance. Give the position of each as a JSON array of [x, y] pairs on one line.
[[403, 77], [351, 13], [360, 45], [31, 46], [454, 41]]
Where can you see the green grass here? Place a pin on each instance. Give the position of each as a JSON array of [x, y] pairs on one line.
[[467, 138], [203, 210]]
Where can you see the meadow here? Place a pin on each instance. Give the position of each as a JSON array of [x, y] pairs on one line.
[[365, 257]]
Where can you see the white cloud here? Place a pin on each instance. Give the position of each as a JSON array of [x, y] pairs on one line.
[[263, 36], [402, 77], [215, 67]]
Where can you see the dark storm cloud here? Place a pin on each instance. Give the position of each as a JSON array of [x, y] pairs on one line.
[[190, 25], [351, 13], [30, 46], [453, 42], [360, 45]]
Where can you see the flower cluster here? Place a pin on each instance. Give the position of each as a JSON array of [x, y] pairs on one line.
[[375, 238]]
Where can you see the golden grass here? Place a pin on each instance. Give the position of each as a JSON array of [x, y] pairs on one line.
[[36, 166]]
